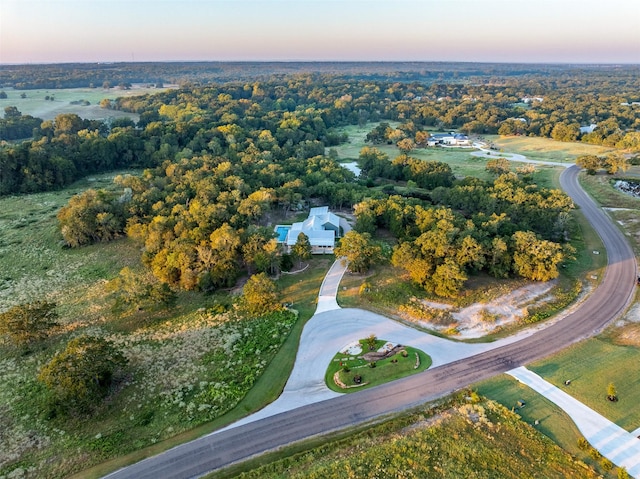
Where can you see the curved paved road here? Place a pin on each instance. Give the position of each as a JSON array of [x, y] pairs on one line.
[[606, 303]]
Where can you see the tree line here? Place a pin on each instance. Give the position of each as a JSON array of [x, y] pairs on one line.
[[298, 116]]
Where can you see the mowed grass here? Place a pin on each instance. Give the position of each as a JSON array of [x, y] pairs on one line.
[[36, 105], [591, 365], [546, 149], [601, 189]]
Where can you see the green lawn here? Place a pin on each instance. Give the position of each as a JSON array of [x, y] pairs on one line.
[[591, 365], [600, 187], [385, 370], [460, 160]]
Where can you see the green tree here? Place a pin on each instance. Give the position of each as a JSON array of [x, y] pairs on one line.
[[534, 258], [591, 163], [12, 113], [615, 162], [497, 166], [448, 279], [260, 295], [29, 323], [132, 290], [302, 248], [371, 341], [622, 473], [82, 373], [406, 145], [359, 250]]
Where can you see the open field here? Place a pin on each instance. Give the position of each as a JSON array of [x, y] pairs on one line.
[[546, 149], [601, 189], [591, 365], [34, 103], [456, 439], [33, 263], [553, 422], [460, 160]]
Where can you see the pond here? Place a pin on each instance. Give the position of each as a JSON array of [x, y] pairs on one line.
[[353, 167]]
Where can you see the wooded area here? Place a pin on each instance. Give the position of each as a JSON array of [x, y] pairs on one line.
[[219, 158]]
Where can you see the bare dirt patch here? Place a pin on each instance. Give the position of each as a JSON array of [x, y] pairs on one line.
[[627, 329], [480, 319]]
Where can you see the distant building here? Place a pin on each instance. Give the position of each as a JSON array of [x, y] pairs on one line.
[[527, 99], [449, 139], [588, 129], [321, 227]]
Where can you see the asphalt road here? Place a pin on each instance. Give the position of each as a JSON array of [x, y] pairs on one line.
[[607, 302]]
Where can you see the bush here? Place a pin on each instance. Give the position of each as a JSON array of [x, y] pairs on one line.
[[82, 374], [583, 444]]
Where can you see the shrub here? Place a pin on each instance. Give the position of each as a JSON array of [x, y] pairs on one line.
[[82, 373], [583, 444]]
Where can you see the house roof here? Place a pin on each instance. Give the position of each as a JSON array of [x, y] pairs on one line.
[[316, 237], [320, 227], [319, 210]]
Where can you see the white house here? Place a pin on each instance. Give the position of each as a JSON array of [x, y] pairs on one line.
[[321, 227], [450, 139], [588, 129]]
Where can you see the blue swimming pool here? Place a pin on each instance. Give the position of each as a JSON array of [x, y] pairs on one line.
[[282, 232]]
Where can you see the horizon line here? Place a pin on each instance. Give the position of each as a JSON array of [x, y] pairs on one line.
[[482, 62]]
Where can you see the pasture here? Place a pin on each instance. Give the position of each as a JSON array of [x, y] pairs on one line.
[[546, 149], [84, 102]]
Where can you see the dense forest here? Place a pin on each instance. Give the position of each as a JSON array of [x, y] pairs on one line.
[[75, 75], [228, 155]]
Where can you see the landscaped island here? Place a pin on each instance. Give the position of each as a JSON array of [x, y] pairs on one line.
[[372, 361]]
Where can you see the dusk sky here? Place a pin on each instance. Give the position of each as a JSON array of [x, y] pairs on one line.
[[571, 31]]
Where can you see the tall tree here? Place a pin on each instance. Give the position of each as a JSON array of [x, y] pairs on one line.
[[302, 248], [359, 251], [534, 258], [260, 295]]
